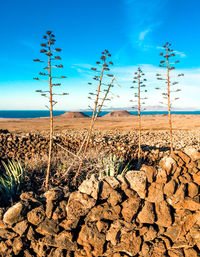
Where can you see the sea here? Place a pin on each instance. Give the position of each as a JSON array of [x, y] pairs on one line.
[[27, 114]]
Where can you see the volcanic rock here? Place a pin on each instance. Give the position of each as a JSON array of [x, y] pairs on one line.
[[164, 218], [107, 192], [36, 216], [137, 181], [190, 252], [155, 193], [196, 178], [7, 234], [103, 212], [148, 233], [192, 152], [188, 203], [13, 214], [91, 239], [161, 176], [122, 235], [168, 164], [150, 172], [193, 189], [54, 194], [169, 188], [79, 204], [90, 187], [21, 227], [48, 227], [130, 208], [17, 245], [147, 214]]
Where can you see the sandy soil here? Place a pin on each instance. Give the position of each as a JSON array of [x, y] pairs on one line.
[[150, 122]]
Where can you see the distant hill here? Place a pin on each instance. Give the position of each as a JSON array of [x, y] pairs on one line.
[[74, 115], [150, 108], [118, 114]]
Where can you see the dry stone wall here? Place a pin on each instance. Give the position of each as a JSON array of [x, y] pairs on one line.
[[22, 146], [151, 212], [26, 146]]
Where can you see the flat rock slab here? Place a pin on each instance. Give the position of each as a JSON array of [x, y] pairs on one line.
[[137, 181], [90, 187]]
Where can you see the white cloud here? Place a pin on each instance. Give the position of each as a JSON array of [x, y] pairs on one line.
[[143, 34], [181, 54], [142, 17]]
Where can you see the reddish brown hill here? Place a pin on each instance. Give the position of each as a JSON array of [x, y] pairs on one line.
[[117, 114], [73, 115]]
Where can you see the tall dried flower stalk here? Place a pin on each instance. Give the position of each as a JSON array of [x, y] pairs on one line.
[[138, 82], [98, 97], [49, 50], [167, 54]]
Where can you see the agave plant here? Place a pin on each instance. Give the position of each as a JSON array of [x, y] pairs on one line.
[[113, 166], [11, 180]]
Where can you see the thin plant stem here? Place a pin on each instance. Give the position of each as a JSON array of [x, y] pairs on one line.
[[166, 63], [51, 120], [49, 40], [139, 120], [86, 137], [68, 151], [77, 156], [169, 106], [91, 124]]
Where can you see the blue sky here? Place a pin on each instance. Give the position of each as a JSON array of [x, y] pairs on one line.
[[133, 31]]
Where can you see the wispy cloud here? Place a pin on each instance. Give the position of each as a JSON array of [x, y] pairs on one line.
[[181, 54], [143, 34], [143, 17]]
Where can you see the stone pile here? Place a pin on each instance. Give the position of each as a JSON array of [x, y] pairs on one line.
[[151, 212]]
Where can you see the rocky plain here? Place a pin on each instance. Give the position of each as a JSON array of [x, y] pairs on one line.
[[151, 210]]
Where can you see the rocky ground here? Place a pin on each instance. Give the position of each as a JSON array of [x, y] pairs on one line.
[[154, 211]]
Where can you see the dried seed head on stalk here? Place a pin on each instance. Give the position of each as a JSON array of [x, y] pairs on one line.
[[98, 97], [168, 64], [139, 99], [48, 51]]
